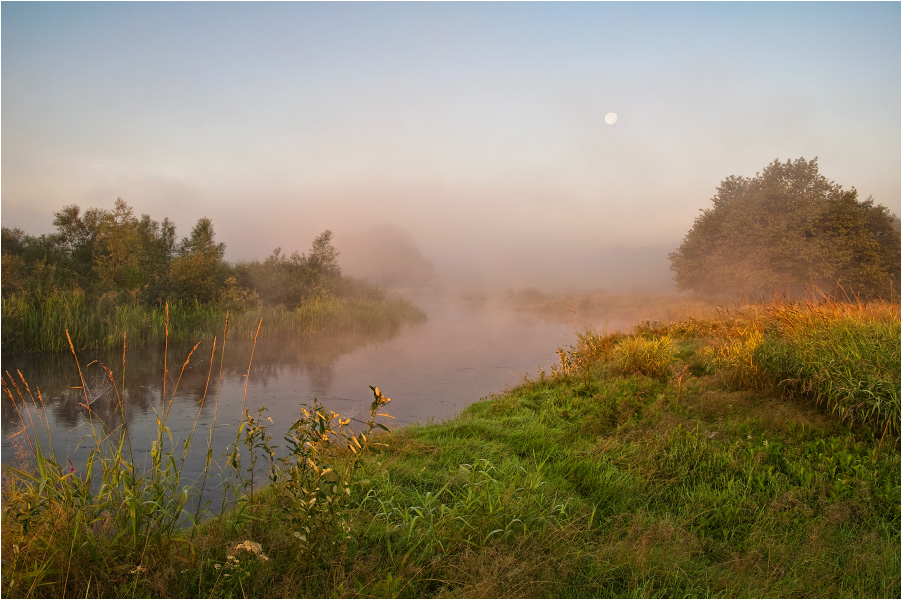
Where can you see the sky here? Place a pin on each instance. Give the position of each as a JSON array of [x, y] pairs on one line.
[[475, 132]]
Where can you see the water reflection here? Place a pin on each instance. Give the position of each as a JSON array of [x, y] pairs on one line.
[[432, 370], [191, 376]]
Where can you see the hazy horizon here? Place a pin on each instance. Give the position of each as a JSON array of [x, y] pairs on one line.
[[472, 134]]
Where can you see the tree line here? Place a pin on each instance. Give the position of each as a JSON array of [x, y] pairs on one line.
[[114, 254]]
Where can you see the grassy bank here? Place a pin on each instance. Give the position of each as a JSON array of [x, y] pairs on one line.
[[753, 454], [40, 326]]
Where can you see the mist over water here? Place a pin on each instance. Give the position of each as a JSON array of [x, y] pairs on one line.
[[465, 351]]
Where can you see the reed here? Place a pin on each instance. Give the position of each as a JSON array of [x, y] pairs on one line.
[[95, 517], [604, 480], [99, 527], [40, 325]]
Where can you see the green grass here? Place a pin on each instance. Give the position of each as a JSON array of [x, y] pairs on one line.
[[609, 478]]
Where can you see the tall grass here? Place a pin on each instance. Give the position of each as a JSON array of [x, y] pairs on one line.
[[606, 479], [98, 528], [40, 325], [653, 357], [846, 357], [650, 355]]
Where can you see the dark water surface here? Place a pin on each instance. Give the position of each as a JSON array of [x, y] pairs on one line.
[[462, 353]]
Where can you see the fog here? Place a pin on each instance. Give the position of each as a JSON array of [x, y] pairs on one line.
[[459, 144]]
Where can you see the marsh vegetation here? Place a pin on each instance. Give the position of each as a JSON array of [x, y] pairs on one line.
[[751, 453], [106, 275]]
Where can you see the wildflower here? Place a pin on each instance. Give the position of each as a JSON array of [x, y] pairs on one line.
[[252, 547]]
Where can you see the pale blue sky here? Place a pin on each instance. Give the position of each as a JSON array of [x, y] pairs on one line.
[[477, 127]]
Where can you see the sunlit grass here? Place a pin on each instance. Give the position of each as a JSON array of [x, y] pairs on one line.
[[719, 456], [113, 524], [845, 356]]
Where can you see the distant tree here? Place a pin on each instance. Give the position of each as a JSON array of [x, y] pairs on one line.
[[321, 270], [158, 242], [290, 280], [118, 251], [786, 229], [78, 234], [34, 266], [114, 251], [198, 271]]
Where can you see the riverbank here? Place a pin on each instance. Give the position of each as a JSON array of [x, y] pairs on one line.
[[751, 454]]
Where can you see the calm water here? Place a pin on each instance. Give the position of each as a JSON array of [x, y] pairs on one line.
[[431, 371]]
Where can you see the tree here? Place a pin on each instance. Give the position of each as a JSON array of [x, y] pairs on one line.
[[321, 270], [198, 272], [787, 229], [78, 234], [290, 280], [114, 251], [118, 251], [34, 266]]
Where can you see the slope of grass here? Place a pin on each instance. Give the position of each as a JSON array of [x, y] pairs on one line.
[[679, 460]]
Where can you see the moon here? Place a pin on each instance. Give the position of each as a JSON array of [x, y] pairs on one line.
[[610, 118]]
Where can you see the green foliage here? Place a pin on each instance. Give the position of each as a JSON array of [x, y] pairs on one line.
[[106, 525], [106, 273], [480, 502], [293, 280], [197, 272], [588, 483], [786, 229], [311, 489]]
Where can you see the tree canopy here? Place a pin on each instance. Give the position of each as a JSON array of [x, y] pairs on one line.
[[115, 255], [789, 229]]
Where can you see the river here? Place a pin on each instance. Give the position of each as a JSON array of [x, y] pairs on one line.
[[465, 351]]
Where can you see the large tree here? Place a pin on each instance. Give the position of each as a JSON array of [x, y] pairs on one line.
[[789, 229]]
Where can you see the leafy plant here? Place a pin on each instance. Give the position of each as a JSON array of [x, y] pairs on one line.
[[313, 487]]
